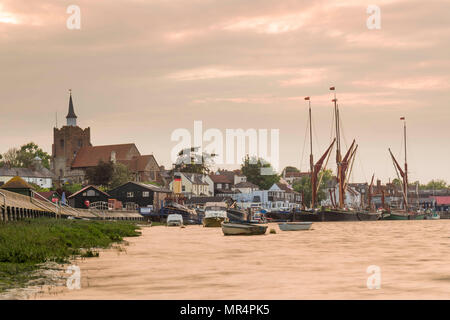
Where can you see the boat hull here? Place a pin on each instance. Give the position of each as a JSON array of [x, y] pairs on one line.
[[280, 215], [338, 215], [294, 226], [444, 214], [306, 216], [333, 215], [213, 222], [368, 216], [242, 229], [402, 216]]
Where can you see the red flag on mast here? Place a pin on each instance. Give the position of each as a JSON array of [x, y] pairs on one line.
[[306, 98], [402, 118], [332, 88]]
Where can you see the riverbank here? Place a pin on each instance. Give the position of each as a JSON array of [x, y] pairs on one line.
[[329, 261], [33, 251]]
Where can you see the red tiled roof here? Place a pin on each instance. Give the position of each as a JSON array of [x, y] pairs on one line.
[[91, 156], [221, 178], [137, 164], [442, 200]]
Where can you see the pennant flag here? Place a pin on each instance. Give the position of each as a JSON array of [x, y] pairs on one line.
[[306, 98], [332, 88], [402, 118]]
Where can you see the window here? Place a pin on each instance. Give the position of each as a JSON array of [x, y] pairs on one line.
[[91, 193], [61, 143], [80, 143], [183, 188], [219, 186], [146, 194], [130, 194]]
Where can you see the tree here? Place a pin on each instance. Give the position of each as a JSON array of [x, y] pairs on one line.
[[23, 157], [397, 182], [304, 186], [10, 157], [289, 169], [437, 184], [38, 188], [251, 168], [101, 174], [120, 175], [29, 151], [192, 161]]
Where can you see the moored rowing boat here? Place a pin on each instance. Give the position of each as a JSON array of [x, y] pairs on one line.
[[234, 229], [294, 226]]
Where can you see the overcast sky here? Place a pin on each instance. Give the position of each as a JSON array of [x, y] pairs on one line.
[[139, 69]]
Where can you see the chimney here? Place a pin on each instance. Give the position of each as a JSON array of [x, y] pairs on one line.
[[113, 157]]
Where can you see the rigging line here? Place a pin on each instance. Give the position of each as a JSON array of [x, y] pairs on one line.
[[342, 129], [304, 144], [362, 168], [332, 132], [317, 143]]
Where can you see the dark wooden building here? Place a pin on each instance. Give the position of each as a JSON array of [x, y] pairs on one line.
[[140, 195], [89, 193], [18, 185]]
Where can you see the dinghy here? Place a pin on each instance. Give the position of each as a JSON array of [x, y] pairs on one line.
[[235, 229], [294, 226]]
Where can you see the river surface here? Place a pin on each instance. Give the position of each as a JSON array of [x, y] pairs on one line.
[[329, 261]]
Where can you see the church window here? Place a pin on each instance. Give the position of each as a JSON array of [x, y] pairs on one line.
[[80, 143]]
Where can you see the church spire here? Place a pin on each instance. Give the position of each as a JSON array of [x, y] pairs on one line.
[[71, 116]]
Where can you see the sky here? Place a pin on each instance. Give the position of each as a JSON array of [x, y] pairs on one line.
[[140, 69]]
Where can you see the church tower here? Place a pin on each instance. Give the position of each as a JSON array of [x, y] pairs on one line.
[[71, 116], [67, 141]]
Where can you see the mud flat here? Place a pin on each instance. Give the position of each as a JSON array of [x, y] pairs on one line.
[[327, 262]]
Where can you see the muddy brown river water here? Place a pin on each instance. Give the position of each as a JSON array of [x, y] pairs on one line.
[[329, 261]]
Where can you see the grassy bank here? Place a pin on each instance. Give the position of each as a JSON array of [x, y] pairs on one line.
[[25, 245]]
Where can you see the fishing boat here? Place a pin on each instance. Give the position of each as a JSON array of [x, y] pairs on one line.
[[171, 207], [235, 229], [402, 174], [235, 214], [294, 226], [215, 214]]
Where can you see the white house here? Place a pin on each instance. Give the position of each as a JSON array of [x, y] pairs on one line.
[[195, 184], [245, 187], [37, 175], [352, 197]]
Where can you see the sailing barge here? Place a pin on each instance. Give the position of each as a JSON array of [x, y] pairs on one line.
[[344, 167], [406, 213]]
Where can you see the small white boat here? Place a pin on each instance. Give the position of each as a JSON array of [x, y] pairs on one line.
[[435, 216], [235, 229], [294, 226], [174, 220]]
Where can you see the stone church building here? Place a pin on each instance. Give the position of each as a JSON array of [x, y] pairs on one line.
[[73, 153]]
